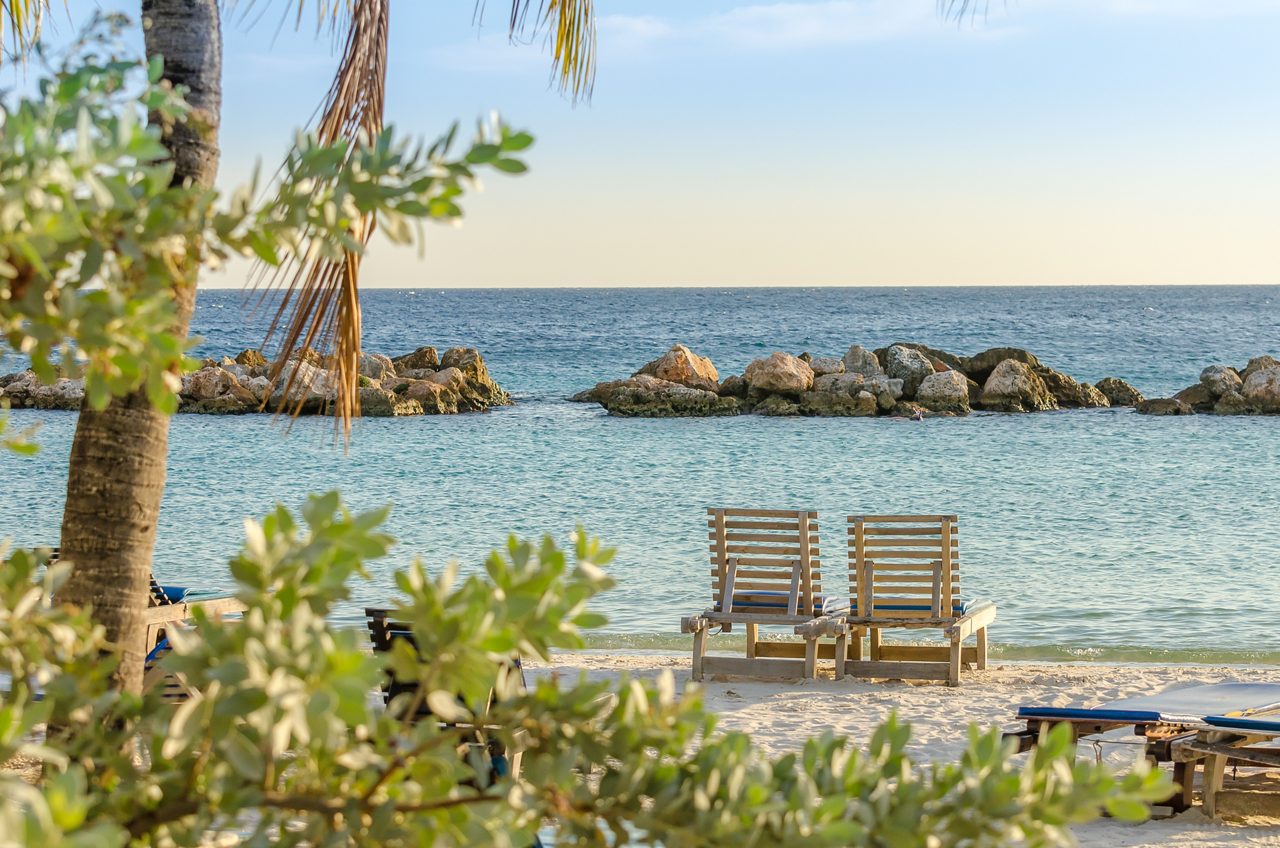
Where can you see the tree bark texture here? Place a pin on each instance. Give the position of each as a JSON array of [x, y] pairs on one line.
[[119, 454]]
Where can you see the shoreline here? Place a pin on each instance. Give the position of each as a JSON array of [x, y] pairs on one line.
[[780, 715]]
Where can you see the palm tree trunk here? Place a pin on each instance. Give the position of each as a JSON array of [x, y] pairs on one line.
[[118, 458]]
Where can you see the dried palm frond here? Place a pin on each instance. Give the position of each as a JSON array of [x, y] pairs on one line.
[[570, 26], [960, 10], [20, 24], [319, 308]]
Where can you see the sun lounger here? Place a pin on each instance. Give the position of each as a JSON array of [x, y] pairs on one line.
[[1247, 740], [1167, 720], [383, 633], [765, 570], [167, 607], [904, 573]]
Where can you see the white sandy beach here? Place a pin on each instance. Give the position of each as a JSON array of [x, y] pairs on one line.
[[779, 715]]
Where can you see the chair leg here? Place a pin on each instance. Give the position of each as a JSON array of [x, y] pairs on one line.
[[841, 653], [875, 644], [811, 658], [953, 668], [699, 650], [1215, 767], [982, 648], [855, 646], [753, 635]]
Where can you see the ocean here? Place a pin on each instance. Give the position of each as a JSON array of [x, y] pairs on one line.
[[1101, 534]]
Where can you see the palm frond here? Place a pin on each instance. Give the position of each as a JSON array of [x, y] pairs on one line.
[[319, 308], [962, 10], [20, 25], [570, 29]]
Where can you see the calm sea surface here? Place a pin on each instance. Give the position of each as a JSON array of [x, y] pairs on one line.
[[1099, 533]]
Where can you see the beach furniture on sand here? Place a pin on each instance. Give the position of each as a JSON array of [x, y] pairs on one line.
[[765, 571], [1184, 726], [1237, 740], [400, 695], [904, 572], [169, 607]]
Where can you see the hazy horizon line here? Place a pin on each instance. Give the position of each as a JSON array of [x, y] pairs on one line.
[[248, 289]]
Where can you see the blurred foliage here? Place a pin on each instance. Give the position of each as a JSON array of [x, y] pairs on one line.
[[283, 744], [94, 238]]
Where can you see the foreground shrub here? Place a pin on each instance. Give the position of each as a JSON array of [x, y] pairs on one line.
[[284, 745]]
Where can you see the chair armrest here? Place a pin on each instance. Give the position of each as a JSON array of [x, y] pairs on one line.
[[826, 625], [976, 617]]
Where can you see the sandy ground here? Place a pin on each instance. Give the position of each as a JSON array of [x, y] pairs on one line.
[[780, 715]]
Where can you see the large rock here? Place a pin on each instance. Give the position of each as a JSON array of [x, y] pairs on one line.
[[1118, 392], [1259, 363], [859, 360], [825, 365], [308, 386], [838, 404], [1164, 406], [1233, 403], [849, 384], [733, 386], [1070, 394], [981, 365], [888, 391], [1198, 397], [381, 403], [375, 366], [251, 358], [208, 383], [946, 391], [776, 406], [942, 360], [908, 365], [1014, 387], [684, 367], [25, 390], [434, 398], [1262, 388], [421, 359], [645, 396], [1220, 379], [779, 373], [480, 391]]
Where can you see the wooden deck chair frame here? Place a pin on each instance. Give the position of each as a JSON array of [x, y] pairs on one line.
[[160, 618], [765, 570], [383, 631], [1216, 748], [904, 572]]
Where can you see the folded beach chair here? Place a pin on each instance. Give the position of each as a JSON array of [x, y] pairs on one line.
[[765, 570], [904, 572], [383, 633], [1167, 720]]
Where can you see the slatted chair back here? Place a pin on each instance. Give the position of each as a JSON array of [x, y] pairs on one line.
[[172, 688], [904, 566], [765, 561], [383, 632], [156, 594]]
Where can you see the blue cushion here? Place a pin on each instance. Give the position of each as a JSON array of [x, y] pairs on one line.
[[1188, 705], [1251, 725], [824, 604]]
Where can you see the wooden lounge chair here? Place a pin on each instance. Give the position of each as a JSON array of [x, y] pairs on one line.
[[168, 607], [1177, 726], [1238, 740], [904, 572], [383, 632], [765, 570]]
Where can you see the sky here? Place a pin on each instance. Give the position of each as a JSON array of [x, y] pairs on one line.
[[841, 142]]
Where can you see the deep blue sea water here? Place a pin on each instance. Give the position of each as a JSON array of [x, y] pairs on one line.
[[1100, 533]]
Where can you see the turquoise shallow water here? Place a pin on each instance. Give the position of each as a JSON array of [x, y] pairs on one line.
[[1100, 533]]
